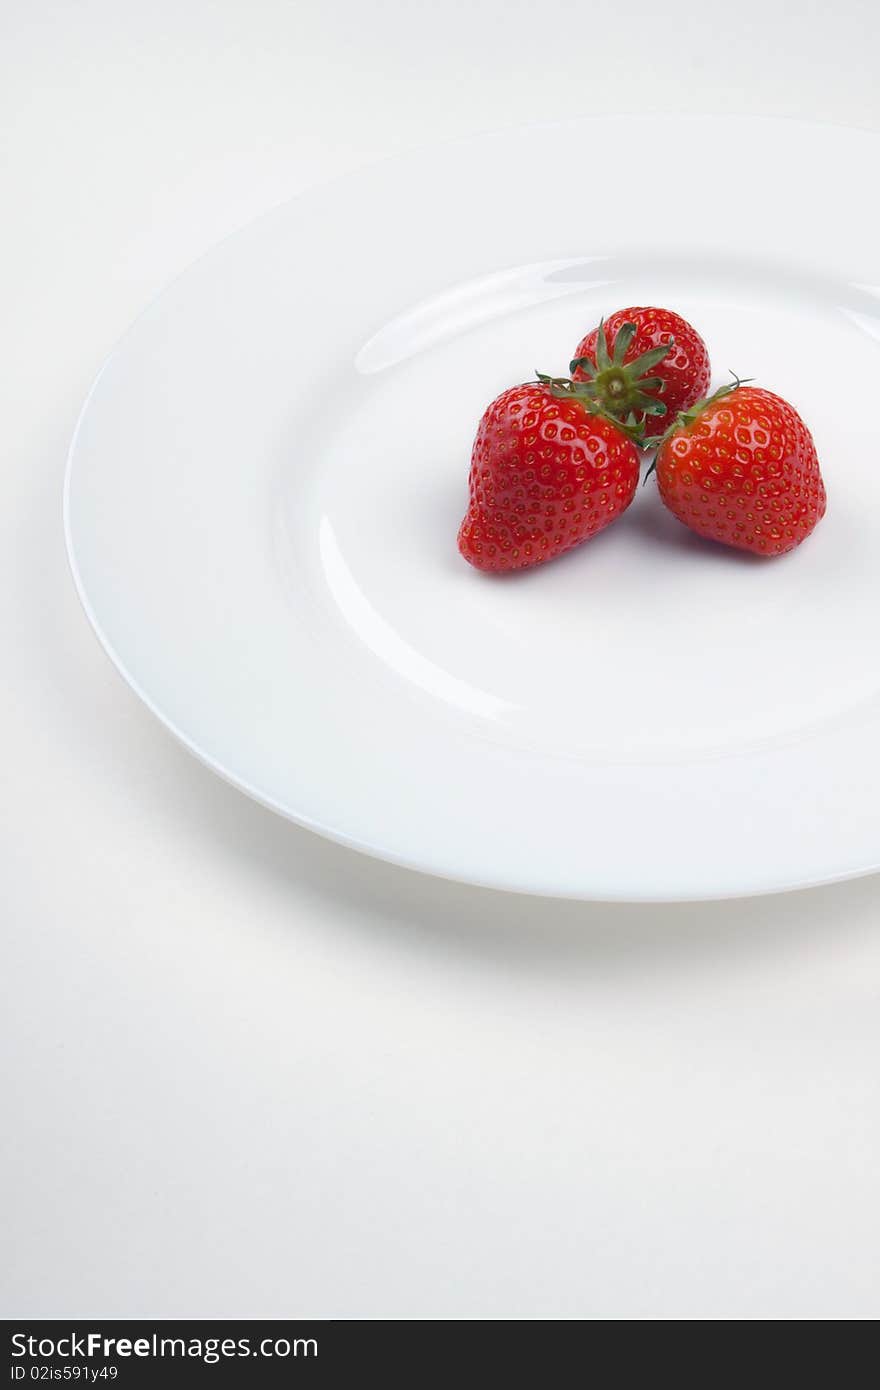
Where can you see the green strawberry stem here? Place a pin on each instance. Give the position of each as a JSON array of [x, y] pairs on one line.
[[567, 390], [618, 387]]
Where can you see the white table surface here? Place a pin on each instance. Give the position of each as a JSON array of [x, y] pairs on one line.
[[252, 1073]]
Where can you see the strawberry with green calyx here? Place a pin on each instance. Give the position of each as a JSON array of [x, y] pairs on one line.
[[740, 467], [549, 469], [643, 352]]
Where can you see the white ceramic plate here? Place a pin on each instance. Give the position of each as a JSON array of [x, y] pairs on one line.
[[266, 482]]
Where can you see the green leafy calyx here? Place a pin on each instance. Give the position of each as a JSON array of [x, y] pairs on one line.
[[619, 387], [567, 390]]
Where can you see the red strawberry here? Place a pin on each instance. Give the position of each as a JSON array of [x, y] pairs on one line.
[[546, 474], [741, 468], [645, 361]]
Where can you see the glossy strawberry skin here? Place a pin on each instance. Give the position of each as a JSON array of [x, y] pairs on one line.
[[744, 473], [685, 370], [545, 475]]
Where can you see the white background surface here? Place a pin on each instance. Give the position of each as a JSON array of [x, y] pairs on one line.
[[251, 1073]]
